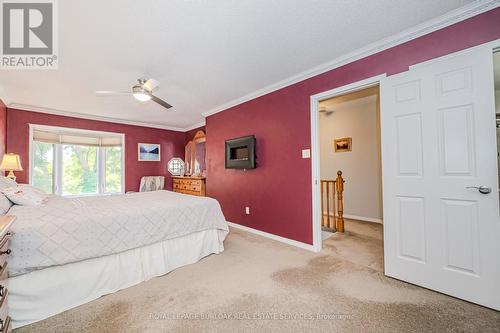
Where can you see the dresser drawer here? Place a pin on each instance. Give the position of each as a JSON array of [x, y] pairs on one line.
[[188, 181], [196, 182], [189, 186], [195, 188]]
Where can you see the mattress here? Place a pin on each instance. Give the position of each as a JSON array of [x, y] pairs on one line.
[[67, 230]]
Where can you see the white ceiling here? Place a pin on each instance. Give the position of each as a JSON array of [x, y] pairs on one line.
[[204, 53]]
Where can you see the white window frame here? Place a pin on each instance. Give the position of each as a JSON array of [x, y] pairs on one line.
[[101, 161]]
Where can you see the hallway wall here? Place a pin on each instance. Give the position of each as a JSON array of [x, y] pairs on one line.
[[357, 119]]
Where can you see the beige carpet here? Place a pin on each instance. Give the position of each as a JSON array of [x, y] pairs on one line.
[[259, 285]]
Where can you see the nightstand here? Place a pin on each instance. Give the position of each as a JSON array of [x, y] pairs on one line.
[[6, 222]]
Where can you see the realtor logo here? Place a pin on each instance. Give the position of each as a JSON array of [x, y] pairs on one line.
[[28, 34]]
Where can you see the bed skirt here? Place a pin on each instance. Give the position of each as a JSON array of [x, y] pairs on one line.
[[40, 294]]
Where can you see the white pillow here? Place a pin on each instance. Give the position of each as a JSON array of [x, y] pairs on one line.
[[32, 188], [5, 204], [25, 195], [7, 182]]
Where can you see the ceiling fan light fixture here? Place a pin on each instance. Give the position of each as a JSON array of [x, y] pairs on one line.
[[142, 91], [141, 94]]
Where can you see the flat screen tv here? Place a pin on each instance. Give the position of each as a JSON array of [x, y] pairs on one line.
[[240, 153]]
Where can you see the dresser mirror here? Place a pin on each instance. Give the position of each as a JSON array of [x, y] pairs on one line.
[[195, 152]]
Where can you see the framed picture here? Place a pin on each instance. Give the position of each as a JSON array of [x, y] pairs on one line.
[[343, 144], [148, 152]]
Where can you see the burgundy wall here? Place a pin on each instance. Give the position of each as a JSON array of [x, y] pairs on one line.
[[279, 190], [172, 143], [3, 129]]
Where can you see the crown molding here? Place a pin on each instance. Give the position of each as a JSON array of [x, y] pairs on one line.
[[3, 96], [460, 14], [450, 18], [192, 127], [33, 108]]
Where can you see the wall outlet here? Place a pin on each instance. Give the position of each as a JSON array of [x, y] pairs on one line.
[[306, 153], [247, 210]]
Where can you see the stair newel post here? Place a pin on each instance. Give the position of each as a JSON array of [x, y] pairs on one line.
[[339, 182], [322, 204]]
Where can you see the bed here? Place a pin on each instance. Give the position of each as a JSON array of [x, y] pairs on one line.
[[69, 251]]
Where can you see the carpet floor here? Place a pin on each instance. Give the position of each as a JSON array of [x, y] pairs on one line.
[[259, 285]]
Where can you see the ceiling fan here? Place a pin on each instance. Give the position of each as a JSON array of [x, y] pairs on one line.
[[142, 91]]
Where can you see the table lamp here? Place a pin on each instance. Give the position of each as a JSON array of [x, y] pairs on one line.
[[11, 162]]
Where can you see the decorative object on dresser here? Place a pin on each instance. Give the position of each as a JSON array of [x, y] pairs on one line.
[[189, 185], [175, 166], [11, 162], [5, 224], [193, 181]]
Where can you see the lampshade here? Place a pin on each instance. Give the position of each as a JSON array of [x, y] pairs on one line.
[[11, 162]]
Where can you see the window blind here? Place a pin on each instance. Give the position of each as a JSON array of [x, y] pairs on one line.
[[69, 138]]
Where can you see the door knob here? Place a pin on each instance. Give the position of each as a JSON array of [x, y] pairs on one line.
[[482, 189]]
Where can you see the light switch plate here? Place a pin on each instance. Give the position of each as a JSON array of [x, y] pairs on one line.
[[306, 153]]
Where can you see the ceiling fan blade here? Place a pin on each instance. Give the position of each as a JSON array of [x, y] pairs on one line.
[[161, 102], [151, 84], [112, 93]]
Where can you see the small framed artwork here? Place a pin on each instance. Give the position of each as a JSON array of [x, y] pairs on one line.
[[343, 144], [148, 152]]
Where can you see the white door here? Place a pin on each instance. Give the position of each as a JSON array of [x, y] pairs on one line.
[[438, 140]]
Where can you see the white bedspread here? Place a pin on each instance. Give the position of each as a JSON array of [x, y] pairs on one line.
[[66, 230]]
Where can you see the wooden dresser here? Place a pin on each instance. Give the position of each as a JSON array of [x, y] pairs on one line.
[[5, 224], [189, 185]]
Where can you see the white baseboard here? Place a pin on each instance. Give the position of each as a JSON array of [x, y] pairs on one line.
[[361, 218], [288, 241]]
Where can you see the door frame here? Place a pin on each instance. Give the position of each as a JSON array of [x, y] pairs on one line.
[[315, 147]]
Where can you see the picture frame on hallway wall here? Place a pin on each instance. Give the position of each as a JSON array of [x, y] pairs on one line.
[[148, 152], [342, 145]]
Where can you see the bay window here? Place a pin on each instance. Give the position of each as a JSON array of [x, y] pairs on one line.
[[72, 162]]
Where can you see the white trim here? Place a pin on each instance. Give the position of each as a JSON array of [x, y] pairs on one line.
[[473, 9], [288, 241], [197, 125], [363, 218], [315, 149], [57, 172], [359, 218], [39, 109], [50, 128], [4, 97], [450, 18], [30, 157]]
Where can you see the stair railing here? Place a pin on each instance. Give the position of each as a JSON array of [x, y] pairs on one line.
[[332, 219]]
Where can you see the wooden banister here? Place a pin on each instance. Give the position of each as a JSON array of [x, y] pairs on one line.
[[334, 220], [339, 182]]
